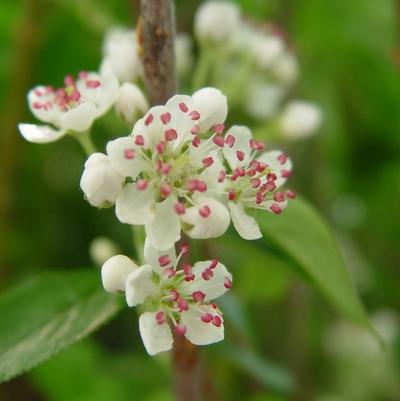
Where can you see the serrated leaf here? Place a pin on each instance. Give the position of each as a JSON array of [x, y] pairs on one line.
[[301, 233], [47, 313]]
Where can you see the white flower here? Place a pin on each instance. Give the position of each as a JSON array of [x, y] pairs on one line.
[[71, 108], [216, 21], [100, 182], [167, 165], [286, 68], [131, 103], [254, 180], [101, 249], [121, 58], [300, 119], [177, 297], [265, 48], [183, 53], [263, 99]]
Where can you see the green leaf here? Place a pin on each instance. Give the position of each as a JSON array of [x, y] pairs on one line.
[[47, 313], [301, 233]]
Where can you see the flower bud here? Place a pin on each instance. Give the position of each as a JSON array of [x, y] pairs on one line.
[[300, 119], [100, 182], [216, 21], [101, 249], [121, 56], [265, 49], [115, 271], [286, 68], [131, 103]]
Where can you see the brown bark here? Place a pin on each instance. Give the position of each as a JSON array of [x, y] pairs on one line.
[[155, 32]]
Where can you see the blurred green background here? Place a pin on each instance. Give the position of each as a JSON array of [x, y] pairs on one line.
[[292, 345]]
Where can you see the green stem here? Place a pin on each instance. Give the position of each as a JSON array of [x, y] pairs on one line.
[[138, 243], [86, 142], [203, 65]]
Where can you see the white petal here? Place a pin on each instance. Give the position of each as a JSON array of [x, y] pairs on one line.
[[245, 225], [128, 167], [130, 103], [152, 132], [151, 256], [215, 286], [134, 206], [181, 121], [80, 118], [139, 285], [156, 337], [199, 332], [242, 137], [39, 96], [100, 182], [212, 106], [212, 226], [104, 95], [40, 133], [271, 158], [165, 229], [115, 271]]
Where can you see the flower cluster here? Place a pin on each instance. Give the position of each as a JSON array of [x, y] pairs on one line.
[[179, 170], [181, 298], [259, 68]]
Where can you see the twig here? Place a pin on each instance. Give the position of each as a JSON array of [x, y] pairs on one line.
[[158, 30], [156, 34]]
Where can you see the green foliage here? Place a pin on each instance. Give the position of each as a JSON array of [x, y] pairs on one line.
[[301, 233], [47, 313]]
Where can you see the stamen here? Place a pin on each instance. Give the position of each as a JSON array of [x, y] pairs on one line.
[[282, 158], [279, 197], [227, 283], [219, 140], [194, 115], [275, 208], [230, 140], [69, 80], [164, 260], [217, 321], [205, 211], [192, 184], [183, 107], [291, 194], [198, 296], [160, 317], [185, 250], [139, 140], [92, 83], [255, 182], [286, 173], [83, 75], [208, 161], [174, 295], [129, 154], [196, 141], [240, 155], [207, 274], [165, 169], [214, 264], [218, 128], [231, 194], [180, 329], [221, 176], [141, 185], [169, 272], [170, 134], [165, 118], [149, 119], [182, 304], [201, 186], [160, 148], [165, 189], [179, 208], [206, 317], [195, 129]]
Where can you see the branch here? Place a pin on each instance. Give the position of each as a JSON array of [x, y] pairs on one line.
[[157, 35]]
